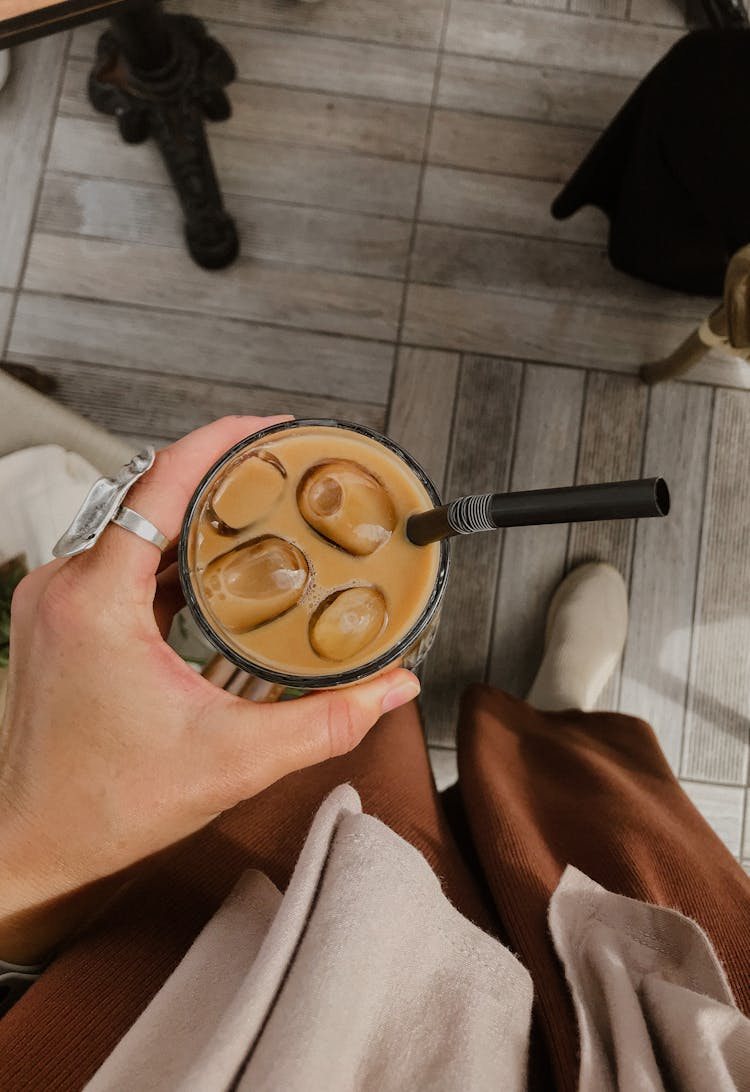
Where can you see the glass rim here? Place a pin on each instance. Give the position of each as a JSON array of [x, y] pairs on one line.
[[332, 679]]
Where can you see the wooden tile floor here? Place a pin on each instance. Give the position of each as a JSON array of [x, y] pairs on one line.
[[391, 165]]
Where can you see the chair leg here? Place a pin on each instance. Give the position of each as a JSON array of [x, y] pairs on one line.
[[684, 357]]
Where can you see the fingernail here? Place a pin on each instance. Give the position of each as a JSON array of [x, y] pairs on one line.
[[400, 695]]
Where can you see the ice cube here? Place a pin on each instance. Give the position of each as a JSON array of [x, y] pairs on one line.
[[347, 505], [255, 582], [347, 621], [247, 492]]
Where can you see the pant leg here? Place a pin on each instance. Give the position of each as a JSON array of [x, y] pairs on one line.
[[60, 1032], [543, 790]]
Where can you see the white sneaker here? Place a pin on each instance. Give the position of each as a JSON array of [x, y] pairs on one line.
[[587, 623], [4, 67]]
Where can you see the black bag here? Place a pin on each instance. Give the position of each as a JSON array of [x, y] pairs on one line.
[[672, 171]]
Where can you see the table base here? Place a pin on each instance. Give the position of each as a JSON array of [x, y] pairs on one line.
[[162, 76]]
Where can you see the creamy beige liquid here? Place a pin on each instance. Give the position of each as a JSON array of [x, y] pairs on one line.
[[298, 554]]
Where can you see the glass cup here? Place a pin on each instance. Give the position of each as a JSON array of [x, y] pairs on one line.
[[407, 651]]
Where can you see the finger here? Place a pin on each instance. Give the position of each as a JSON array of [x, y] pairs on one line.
[[29, 591], [254, 745], [24, 610], [121, 560], [37, 580]]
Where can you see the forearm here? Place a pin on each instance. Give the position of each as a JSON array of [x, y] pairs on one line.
[[33, 933], [31, 936], [41, 908]]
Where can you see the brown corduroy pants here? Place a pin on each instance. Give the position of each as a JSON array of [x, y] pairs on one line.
[[538, 791]]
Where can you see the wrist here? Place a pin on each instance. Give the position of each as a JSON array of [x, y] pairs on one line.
[[40, 905], [34, 932], [27, 899]]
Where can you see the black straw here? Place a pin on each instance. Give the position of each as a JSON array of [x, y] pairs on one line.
[[572, 504]]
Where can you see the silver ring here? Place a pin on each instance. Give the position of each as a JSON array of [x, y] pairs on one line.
[[139, 525], [103, 504]]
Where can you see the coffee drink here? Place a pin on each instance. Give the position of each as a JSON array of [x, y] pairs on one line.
[[295, 557]]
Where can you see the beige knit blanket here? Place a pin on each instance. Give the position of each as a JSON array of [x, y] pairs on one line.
[[363, 976]]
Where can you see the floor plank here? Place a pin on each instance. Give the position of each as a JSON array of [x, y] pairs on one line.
[[263, 112], [6, 305], [717, 722], [722, 806], [253, 168], [612, 428], [424, 391], [329, 64], [548, 332], [180, 343], [138, 441], [26, 116], [606, 9], [559, 96], [162, 277], [669, 13], [461, 258], [504, 203], [533, 560], [480, 461], [168, 406], [307, 61], [611, 447], [84, 39], [125, 211], [444, 763], [511, 146], [665, 564], [560, 5], [586, 45], [416, 23]]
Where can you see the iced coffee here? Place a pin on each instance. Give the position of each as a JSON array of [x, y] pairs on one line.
[[295, 561]]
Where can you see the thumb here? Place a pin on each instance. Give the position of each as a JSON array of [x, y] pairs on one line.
[[256, 744]]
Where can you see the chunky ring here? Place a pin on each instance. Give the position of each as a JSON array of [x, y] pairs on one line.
[[140, 526], [103, 505]]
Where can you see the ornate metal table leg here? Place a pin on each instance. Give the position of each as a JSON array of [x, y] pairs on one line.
[[161, 75]]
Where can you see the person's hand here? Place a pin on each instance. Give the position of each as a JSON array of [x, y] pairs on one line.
[[111, 746]]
